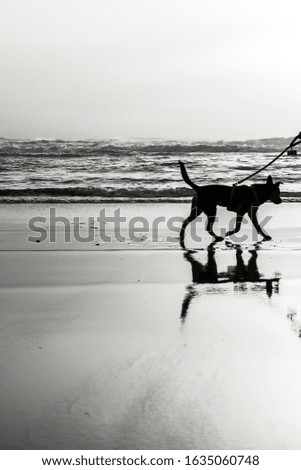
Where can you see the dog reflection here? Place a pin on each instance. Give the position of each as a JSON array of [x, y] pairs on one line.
[[238, 274]]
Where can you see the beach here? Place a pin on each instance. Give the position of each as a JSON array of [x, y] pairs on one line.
[[134, 343], [119, 123]]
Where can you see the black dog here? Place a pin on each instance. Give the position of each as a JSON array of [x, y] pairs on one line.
[[240, 199]]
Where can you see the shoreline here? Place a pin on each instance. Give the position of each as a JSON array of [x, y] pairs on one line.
[[286, 197]]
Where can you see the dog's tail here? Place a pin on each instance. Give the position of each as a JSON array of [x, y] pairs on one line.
[[186, 177]]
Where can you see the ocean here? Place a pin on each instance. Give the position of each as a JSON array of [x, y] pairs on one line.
[[43, 170]]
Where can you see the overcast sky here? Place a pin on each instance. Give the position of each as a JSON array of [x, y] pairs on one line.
[[183, 69]]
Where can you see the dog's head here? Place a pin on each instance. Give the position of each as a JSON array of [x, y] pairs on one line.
[[274, 190]]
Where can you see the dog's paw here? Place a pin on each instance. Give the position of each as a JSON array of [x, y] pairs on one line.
[[218, 239], [267, 238]]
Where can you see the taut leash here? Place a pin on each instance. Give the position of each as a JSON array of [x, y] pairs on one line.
[[296, 141]]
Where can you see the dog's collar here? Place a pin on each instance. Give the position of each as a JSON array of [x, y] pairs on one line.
[[255, 194]]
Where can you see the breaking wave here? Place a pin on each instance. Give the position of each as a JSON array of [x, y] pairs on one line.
[[50, 170]]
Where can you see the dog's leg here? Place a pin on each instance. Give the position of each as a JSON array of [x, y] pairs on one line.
[[253, 216], [239, 219], [195, 212], [211, 214]]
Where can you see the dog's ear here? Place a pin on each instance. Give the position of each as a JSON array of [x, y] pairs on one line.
[[269, 180]]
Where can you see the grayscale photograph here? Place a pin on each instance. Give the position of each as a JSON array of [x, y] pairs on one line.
[[150, 225]]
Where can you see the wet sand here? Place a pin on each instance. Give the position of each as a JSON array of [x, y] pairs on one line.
[[150, 349], [150, 226]]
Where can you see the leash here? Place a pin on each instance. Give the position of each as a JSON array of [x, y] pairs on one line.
[[296, 141], [293, 144]]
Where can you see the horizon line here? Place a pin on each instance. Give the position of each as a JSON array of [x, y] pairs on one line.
[[165, 139]]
